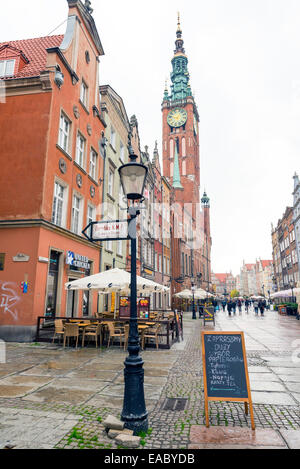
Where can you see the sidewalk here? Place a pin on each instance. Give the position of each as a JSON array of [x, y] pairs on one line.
[[56, 398]]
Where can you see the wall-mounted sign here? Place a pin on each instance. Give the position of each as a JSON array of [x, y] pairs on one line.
[[76, 260], [20, 257], [43, 259]]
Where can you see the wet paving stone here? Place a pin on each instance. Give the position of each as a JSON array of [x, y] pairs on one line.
[[175, 374]]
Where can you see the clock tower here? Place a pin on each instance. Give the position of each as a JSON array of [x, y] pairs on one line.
[[181, 167], [181, 163]]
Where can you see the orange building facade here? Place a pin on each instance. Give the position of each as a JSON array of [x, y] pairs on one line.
[[52, 166]]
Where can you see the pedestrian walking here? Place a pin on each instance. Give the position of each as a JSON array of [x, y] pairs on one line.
[[234, 307], [261, 306], [246, 305], [255, 304], [223, 305], [239, 304], [229, 307]]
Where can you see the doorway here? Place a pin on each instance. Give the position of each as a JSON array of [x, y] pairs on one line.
[[72, 302]]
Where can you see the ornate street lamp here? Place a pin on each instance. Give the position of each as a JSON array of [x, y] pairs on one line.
[[134, 414]]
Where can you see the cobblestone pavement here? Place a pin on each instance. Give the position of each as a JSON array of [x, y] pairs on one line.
[[55, 398]]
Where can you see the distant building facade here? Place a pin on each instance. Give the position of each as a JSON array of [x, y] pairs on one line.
[[285, 258]]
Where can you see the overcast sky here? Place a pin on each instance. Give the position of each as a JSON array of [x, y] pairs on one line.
[[244, 63]]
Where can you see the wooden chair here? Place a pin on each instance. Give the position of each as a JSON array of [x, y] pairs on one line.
[[151, 333], [59, 329], [92, 332], [115, 332], [71, 330], [126, 330]]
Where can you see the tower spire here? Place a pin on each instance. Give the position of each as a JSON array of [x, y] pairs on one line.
[[180, 88]]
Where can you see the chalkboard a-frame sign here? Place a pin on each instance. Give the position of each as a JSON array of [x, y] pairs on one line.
[[225, 370]]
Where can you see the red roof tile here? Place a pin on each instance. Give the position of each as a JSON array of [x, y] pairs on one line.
[[265, 263], [222, 277], [35, 52]]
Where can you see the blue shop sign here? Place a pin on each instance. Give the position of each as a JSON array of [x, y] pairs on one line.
[[76, 260]]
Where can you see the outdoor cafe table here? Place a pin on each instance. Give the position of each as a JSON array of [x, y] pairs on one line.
[[44, 329]]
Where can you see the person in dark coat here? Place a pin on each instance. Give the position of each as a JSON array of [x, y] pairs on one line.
[[261, 306]]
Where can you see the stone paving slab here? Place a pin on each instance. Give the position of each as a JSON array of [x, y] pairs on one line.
[[14, 391], [153, 392], [275, 398], [290, 378], [258, 385], [51, 394], [33, 429], [286, 370], [73, 383], [258, 369], [235, 437], [292, 438], [92, 375], [257, 377]]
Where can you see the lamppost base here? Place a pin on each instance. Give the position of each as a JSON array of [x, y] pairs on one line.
[[134, 413]]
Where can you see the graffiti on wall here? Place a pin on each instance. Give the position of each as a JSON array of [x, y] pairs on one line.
[[9, 299]]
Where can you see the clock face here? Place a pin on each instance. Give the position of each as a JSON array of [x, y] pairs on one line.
[[177, 117]]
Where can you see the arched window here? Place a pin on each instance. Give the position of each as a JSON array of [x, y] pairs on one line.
[[183, 146], [183, 168], [171, 169], [171, 148]]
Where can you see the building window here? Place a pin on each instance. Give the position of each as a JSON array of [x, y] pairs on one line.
[[183, 147], [91, 214], [64, 132], [80, 149], [111, 182], [84, 94], [183, 168], [113, 137], [58, 204], [2, 259], [93, 164], [171, 148], [122, 152], [76, 214], [7, 68], [109, 246], [120, 248]]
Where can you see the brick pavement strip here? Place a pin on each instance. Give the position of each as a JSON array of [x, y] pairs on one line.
[[80, 425]]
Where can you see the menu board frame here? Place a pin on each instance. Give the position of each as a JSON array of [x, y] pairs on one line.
[[143, 310], [208, 314], [247, 400]]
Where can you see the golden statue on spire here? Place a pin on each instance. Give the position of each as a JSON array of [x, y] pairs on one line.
[[178, 23]]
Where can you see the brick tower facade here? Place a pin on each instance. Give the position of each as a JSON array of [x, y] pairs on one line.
[[181, 167]]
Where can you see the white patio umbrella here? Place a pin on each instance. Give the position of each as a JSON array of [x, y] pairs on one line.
[[184, 294], [285, 293], [117, 280]]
